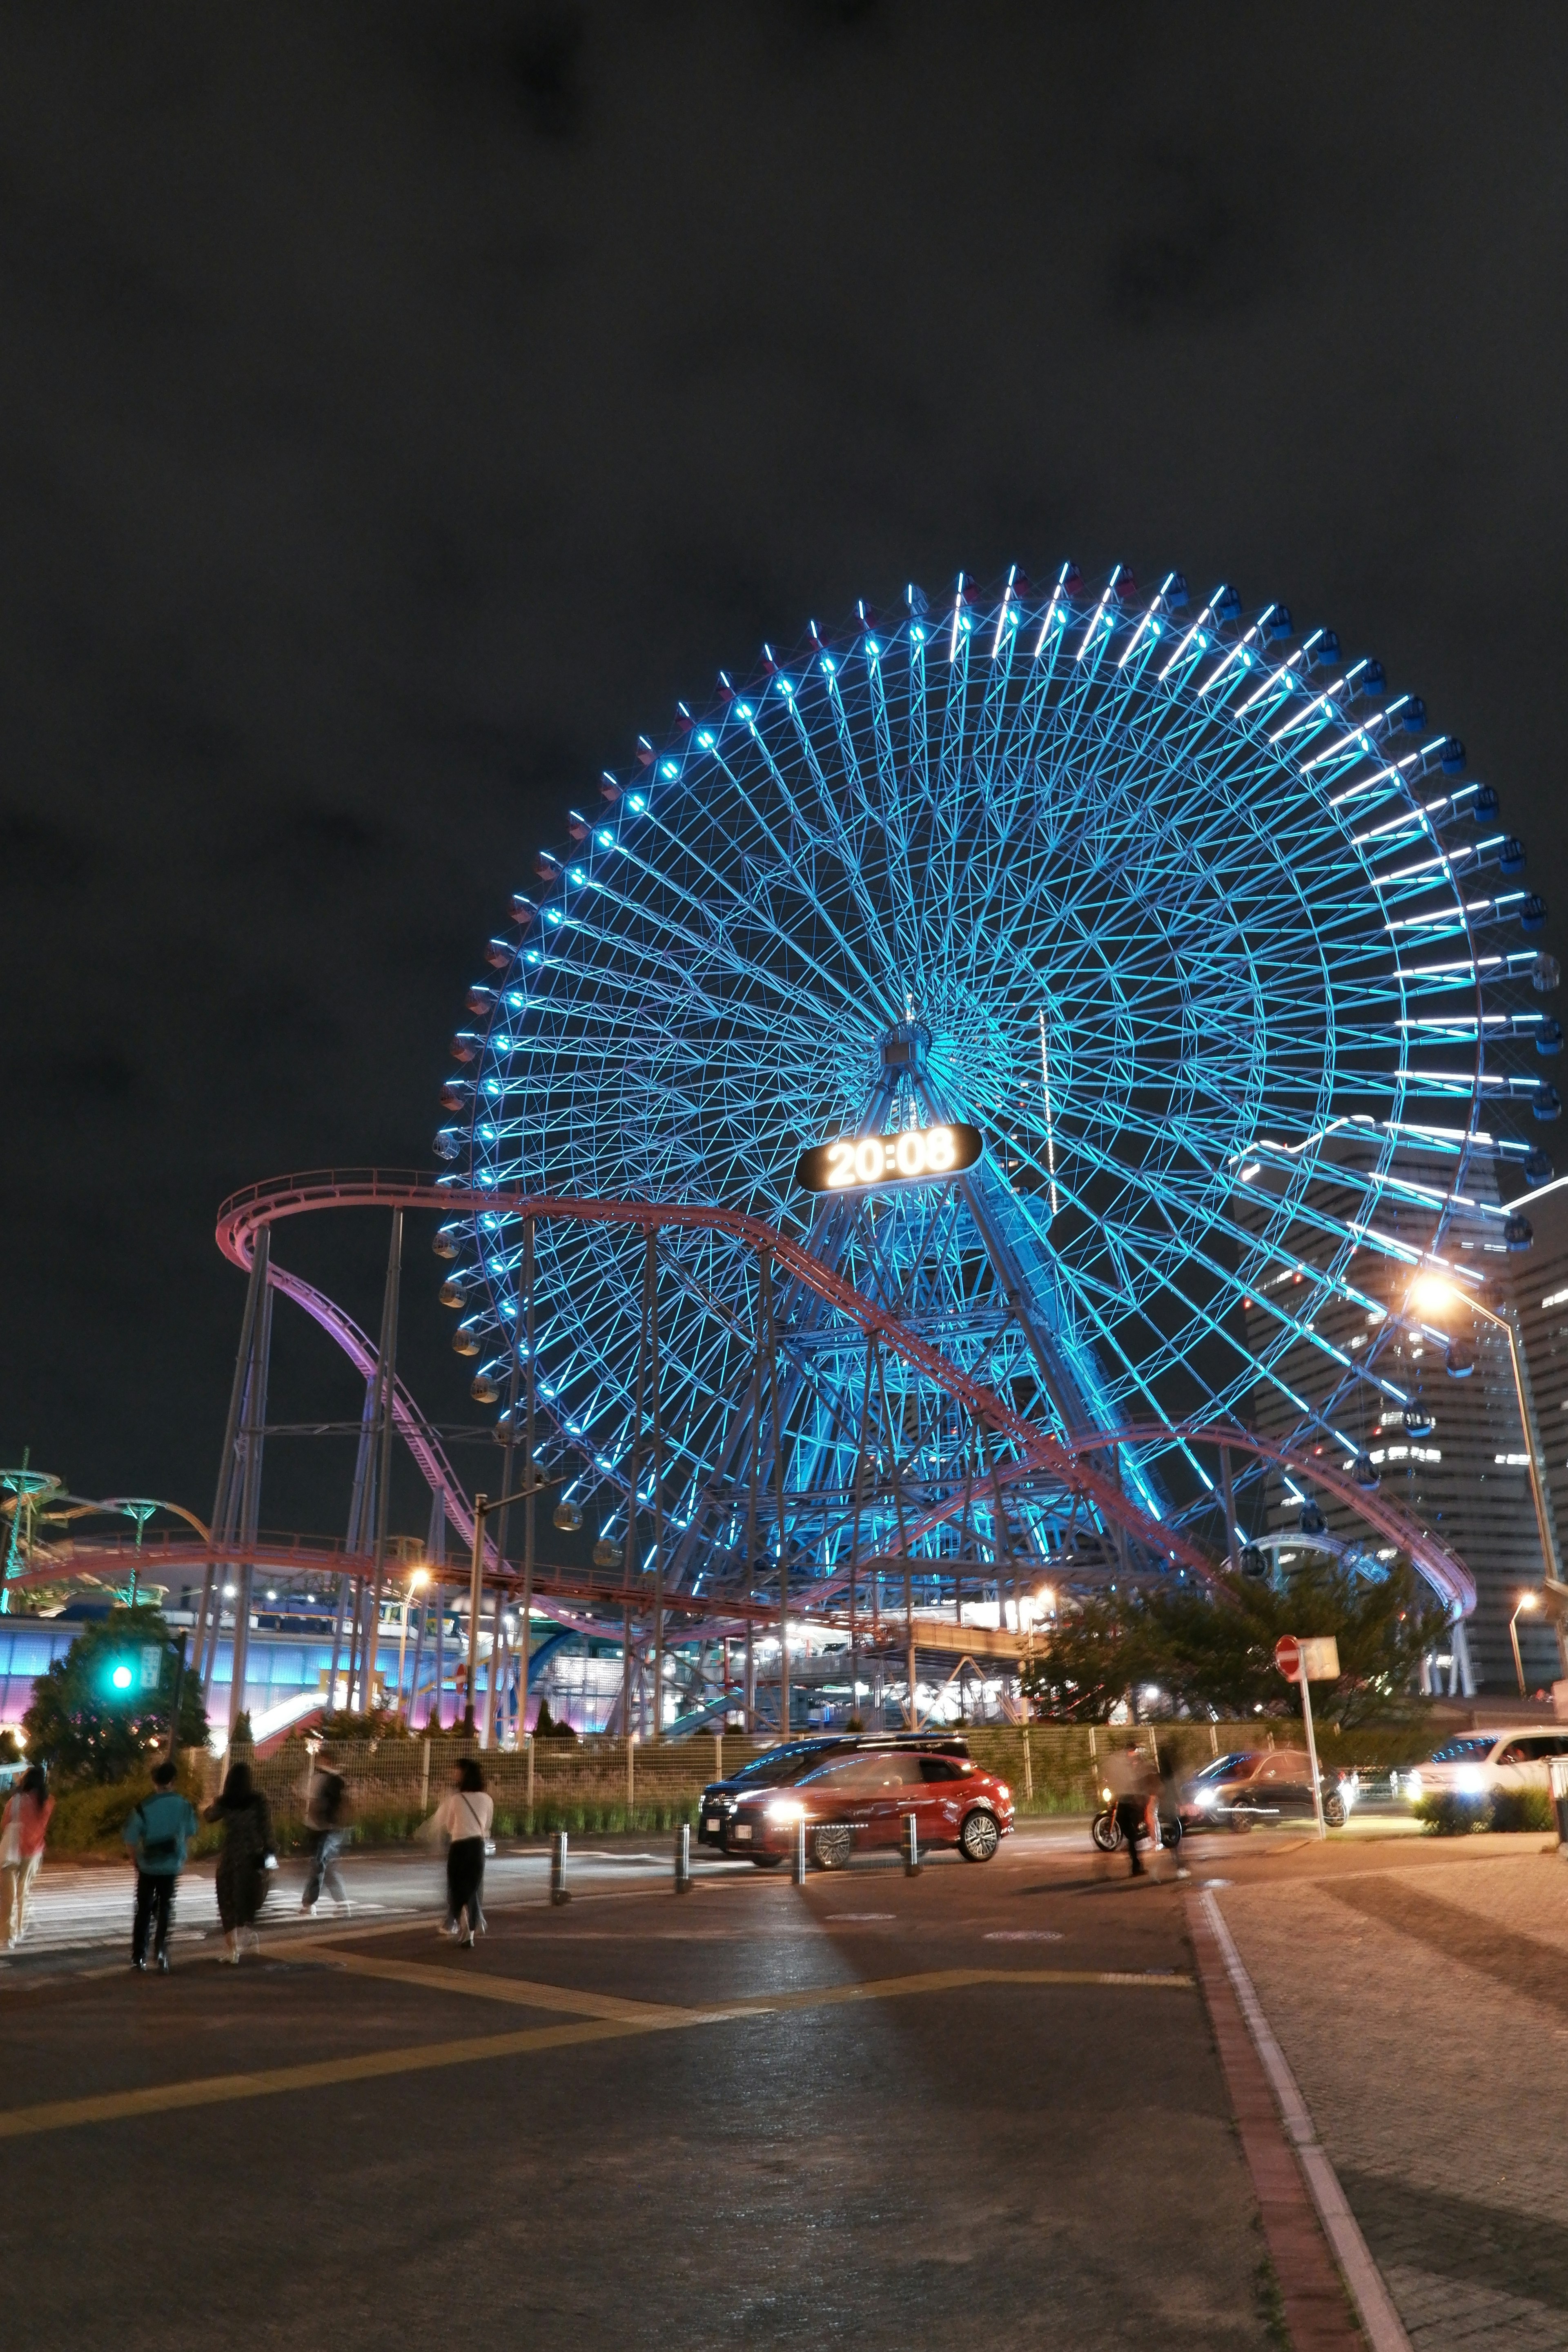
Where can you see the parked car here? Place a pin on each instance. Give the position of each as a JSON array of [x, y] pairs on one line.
[[1241, 1790], [782, 1767], [1479, 1763], [859, 1801]]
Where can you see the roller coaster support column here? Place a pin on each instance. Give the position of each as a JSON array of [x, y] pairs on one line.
[[893, 1437], [631, 1568], [652, 1285], [855, 1538], [386, 1365], [492, 1680], [250, 1498], [223, 1503], [525, 1631], [765, 1273], [1228, 1498]]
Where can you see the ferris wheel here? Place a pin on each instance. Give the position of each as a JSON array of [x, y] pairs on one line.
[[1192, 918]]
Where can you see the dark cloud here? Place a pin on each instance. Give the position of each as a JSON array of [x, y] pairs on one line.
[[406, 405]]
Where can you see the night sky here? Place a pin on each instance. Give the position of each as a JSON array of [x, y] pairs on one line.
[[400, 406]]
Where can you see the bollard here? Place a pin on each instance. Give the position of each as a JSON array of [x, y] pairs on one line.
[[683, 1858], [1557, 1773], [911, 1847], [558, 1888], [797, 1869]]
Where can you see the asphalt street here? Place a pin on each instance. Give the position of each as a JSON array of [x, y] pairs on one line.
[[978, 2107]]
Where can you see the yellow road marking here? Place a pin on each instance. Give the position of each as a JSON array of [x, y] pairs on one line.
[[629, 2019], [473, 1984]]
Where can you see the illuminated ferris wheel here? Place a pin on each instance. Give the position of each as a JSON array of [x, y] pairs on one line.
[[1192, 922]]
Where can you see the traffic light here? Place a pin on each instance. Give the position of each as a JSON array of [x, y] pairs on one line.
[[135, 1674]]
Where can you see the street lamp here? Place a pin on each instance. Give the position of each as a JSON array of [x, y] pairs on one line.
[[1526, 1601], [1433, 1294], [483, 1506], [419, 1579]]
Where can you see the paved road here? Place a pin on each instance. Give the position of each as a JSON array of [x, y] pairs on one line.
[[82, 1908], [981, 2106]]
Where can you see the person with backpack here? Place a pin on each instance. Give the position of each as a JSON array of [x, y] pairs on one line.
[[24, 1825], [158, 1831], [465, 1816], [326, 1818]]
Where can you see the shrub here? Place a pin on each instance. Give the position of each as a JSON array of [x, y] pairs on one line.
[[1447, 1814], [91, 1819]]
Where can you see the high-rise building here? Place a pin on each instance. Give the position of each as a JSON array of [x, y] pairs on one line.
[[1539, 1292], [1448, 1450]]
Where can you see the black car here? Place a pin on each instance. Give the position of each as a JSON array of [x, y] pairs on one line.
[[782, 1767]]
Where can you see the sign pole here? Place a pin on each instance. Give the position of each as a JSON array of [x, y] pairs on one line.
[[1312, 1751]]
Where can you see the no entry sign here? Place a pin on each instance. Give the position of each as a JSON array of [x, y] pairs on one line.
[[1307, 1661]]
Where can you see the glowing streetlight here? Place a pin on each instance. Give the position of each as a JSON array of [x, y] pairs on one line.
[[419, 1579], [1526, 1601]]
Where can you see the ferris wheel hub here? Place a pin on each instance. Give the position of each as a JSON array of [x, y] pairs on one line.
[[906, 1046]]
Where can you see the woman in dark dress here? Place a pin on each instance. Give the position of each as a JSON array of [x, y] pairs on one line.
[[248, 1855]]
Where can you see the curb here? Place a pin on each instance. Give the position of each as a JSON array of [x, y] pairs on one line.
[[1305, 2240]]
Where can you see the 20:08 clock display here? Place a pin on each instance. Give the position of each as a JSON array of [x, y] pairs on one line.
[[919, 1151]]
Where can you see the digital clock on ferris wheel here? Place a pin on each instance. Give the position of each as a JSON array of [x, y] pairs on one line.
[[852, 1161]]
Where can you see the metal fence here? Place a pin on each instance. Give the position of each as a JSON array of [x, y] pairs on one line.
[[601, 1785]]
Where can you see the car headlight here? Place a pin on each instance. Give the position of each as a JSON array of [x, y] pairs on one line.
[[1206, 1798], [785, 1813], [1413, 1784], [1469, 1779]]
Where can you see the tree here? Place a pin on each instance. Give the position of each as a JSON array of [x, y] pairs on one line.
[[104, 1707], [1215, 1650]]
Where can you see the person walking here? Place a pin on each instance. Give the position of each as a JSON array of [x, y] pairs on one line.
[[24, 1825], [248, 1855], [326, 1818], [1133, 1783], [158, 1831], [465, 1816]]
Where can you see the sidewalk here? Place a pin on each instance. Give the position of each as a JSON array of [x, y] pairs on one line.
[[1423, 2006]]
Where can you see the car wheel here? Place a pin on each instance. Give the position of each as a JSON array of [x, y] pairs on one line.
[[980, 1837], [1106, 1831], [1241, 1819], [1334, 1810], [1171, 1831], [765, 1860], [831, 1846]]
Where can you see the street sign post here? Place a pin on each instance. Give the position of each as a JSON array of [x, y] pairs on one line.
[[1307, 1661]]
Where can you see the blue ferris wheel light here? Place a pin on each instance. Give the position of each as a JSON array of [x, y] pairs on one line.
[[1192, 920]]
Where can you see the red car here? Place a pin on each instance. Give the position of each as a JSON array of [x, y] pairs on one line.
[[857, 1802]]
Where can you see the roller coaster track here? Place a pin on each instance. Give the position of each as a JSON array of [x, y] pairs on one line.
[[1037, 1453]]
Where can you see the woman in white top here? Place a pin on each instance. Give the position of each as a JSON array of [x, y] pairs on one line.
[[466, 1816]]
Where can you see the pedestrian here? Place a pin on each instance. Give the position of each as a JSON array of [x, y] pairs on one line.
[[1132, 1783], [465, 1816], [248, 1853], [24, 1825], [326, 1818], [158, 1831]]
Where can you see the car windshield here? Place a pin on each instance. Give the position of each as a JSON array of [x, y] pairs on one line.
[[783, 1763], [1224, 1768], [1464, 1751]]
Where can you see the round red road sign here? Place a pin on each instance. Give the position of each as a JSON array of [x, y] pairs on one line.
[[1287, 1657]]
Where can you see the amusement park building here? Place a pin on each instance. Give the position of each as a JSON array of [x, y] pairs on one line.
[[1453, 1456]]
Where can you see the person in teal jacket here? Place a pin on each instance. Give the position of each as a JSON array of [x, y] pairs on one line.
[[157, 1833]]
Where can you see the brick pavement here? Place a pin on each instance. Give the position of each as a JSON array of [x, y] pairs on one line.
[[1424, 2010]]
